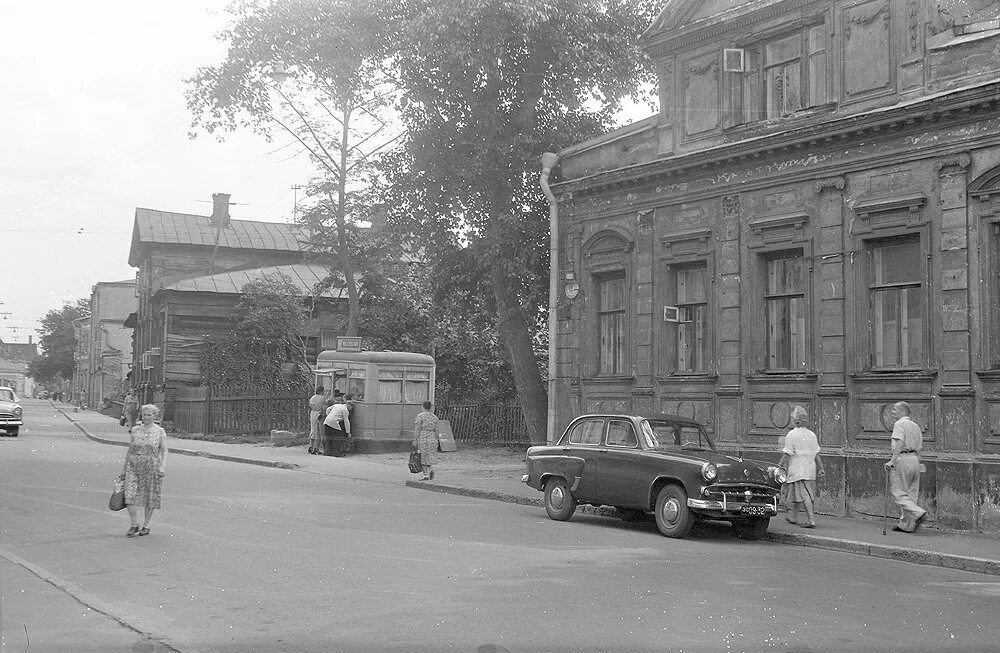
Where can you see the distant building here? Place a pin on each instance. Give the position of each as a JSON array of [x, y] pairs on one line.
[[106, 352], [813, 218], [14, 360], [191, 271]]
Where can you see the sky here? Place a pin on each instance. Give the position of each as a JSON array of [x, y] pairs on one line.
[[93, 124]]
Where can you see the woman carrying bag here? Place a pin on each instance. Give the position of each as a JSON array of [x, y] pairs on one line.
[[425, 439], [145, 466]]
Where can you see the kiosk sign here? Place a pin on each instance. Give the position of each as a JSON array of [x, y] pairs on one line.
[[348, 343]]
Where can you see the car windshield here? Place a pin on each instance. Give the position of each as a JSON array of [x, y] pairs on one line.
[[6, 394], [665, 435]]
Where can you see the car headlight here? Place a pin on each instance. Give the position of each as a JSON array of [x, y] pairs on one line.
[[17, 412], [709, 472], [779, 474]]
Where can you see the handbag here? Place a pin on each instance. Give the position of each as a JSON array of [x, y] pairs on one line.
[[117, 500], [415, 466], [121, 421]]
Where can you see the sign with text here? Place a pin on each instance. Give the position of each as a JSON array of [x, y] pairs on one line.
[[348, 343]]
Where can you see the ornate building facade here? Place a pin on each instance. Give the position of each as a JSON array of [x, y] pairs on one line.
[[812, 218]]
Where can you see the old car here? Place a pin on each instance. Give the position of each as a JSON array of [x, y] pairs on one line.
[[10, 412], [666, 464]]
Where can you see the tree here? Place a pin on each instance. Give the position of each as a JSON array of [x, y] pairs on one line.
[[58, 342], [486, 88], [323, 60], [263, 350]]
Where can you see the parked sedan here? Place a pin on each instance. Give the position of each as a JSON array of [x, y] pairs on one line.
[[661, 463], [10, 412]]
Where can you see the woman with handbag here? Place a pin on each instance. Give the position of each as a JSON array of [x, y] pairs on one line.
[[425, 439], [145, 466]]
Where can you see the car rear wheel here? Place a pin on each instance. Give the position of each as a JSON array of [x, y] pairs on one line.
[[559, 503], [673, 517], [751, 529]]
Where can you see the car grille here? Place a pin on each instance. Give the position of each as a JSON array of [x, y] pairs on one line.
[[6, 415], [736, 494]]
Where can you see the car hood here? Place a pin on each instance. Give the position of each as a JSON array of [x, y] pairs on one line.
[[731, 468]]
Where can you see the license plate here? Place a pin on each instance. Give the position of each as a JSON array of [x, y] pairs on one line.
[[753, 510]]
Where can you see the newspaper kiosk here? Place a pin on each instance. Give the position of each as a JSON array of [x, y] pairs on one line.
[[388, 389]]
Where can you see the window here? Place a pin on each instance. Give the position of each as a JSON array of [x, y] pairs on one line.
[[785, 75], [587, 432], [993, 287], [328, 338], [785, 312], [692, 305], [418, 386], [611, 324], [897, 303], [356, 382], [621, 434], [390, 386]]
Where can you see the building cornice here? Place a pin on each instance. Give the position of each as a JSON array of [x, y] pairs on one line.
[[963, 104]]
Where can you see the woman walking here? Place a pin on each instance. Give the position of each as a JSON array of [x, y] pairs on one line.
[[317, 409], [145, 465], [800, 457], [425, 439], [131, 409]]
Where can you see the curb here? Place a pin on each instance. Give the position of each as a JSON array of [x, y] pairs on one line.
[[189, 452], [898, 553]]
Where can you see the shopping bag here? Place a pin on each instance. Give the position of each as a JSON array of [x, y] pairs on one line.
[[415, 466], [121, 421], [117, 500]]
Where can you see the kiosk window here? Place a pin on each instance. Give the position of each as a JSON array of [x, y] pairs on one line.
[[418, 386], [390, 386], [356, 383]]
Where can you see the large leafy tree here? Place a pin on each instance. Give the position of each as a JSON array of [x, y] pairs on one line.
[[58, 342], [487, 86], [310, 70]]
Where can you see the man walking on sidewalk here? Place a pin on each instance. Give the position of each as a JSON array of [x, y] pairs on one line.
[[904, 468]]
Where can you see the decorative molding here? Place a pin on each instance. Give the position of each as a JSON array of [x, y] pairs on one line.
[[836, 183], [700, 235], [911, 203], [794, 220], [731, 207], [985, 185], [961, 161], [645, 220]]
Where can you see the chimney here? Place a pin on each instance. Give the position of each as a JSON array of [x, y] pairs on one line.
[[220, 210], [29, 340]]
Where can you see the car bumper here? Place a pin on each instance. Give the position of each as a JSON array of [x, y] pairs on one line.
[[10, 423], [726, 508]]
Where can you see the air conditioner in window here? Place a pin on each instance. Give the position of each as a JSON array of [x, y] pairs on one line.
[[733, 60]]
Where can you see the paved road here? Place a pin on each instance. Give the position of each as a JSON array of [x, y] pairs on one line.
[[246, 558]]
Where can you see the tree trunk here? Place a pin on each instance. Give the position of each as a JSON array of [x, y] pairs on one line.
[[531, 390]]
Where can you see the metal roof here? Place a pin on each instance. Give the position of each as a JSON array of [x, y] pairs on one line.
[[152, 226], [304, 276]]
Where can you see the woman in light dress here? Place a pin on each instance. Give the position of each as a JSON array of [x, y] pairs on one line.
[[800, 457], [145, 466], [425, 439]]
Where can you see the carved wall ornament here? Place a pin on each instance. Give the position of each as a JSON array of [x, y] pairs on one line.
[[866, 17], [731, 207], [645, 219], [960, 161], [837, 183]]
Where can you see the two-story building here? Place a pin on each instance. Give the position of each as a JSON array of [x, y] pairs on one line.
[[108, 347], [192, 269], [812, 218]]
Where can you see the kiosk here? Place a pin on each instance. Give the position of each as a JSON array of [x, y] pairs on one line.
[[388, 389]]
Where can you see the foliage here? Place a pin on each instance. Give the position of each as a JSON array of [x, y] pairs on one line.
[[486, 88], [263, 350], [58, 342]]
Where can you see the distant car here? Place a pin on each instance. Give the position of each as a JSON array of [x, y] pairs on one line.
[[10, 412], [665, 464]]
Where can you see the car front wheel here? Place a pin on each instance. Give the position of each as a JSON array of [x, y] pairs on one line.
[[673, 517], [751, 529], [559, 503]]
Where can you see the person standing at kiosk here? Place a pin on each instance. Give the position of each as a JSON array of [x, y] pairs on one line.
[[337, 428]]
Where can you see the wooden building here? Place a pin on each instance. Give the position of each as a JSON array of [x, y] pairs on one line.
[[812, 218], [191, 272]]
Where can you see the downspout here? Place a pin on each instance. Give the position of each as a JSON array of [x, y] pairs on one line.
[[548, 162]]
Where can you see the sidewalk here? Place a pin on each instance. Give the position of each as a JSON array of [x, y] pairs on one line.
[[930, 546]]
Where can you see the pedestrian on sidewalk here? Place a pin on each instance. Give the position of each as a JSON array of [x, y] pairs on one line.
[[425, 439], [904, 469], [337, 426], [317, 408], [145, 466], [131, 409], [800, 457]]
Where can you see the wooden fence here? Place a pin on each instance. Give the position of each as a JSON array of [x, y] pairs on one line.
[[490, 423], [197, 410]]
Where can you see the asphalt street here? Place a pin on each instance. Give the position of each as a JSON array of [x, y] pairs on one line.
[[247, 558]]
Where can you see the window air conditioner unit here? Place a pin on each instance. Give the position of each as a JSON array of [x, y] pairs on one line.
[[733, 60]]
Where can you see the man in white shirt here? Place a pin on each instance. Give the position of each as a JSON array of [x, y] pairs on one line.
[[904, 469], [337, 425]]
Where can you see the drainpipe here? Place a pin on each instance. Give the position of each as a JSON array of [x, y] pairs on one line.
[[548, 162]]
